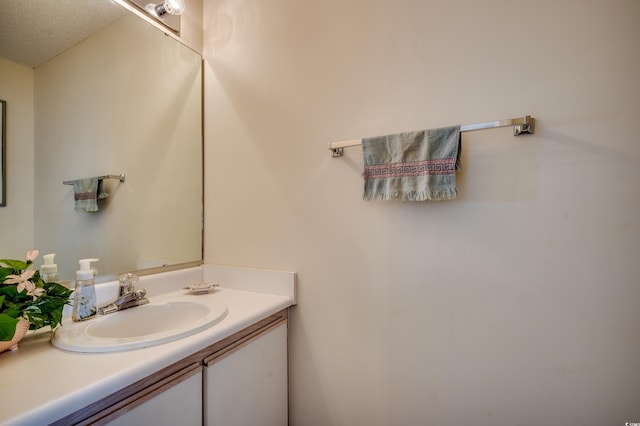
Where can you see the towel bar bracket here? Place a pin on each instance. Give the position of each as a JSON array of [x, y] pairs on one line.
[[337, 152], [528, 127]]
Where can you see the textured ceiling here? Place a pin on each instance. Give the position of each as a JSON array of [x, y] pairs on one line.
[[34, 31]]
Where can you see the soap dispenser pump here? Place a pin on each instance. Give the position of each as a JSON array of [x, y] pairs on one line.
[[84, 301], [49, 271]]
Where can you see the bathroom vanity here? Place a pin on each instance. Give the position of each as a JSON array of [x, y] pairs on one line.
[[234, 372]]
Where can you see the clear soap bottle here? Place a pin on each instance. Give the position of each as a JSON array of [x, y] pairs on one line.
[[84, 301], [49, 271]]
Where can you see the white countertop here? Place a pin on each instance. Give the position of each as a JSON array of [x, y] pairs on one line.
[[40, 383]]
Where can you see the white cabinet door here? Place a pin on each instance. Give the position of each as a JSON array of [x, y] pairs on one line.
[[175, 404], [248, 385]]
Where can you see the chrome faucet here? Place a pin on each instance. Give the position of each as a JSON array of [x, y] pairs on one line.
[[128, 297], [127, 283]]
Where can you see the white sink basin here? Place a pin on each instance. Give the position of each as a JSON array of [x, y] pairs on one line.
[[163, 320]]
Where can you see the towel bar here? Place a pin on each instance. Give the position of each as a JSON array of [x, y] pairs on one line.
[[523, 125], [120, 177]]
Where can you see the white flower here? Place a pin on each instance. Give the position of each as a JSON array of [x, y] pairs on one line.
[[37, 292], [23, 281], [31, 255]]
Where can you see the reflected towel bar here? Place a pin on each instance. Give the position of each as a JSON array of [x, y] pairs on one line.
[[120, 177], [524, 125]]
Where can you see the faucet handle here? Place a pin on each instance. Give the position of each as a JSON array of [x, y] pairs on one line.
[[128, 282]]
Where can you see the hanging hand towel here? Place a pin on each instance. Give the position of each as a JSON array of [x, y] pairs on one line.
[[87, 192], [412, 166]]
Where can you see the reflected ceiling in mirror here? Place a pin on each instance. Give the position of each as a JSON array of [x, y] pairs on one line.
[[34, 31]]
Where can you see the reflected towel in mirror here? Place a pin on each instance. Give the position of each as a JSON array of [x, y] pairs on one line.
[[87, 192]]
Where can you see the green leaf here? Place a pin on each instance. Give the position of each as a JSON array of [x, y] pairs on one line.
[[16, 265], [3, 274], [8, 290], [56, 318], [7, 327], [46, 310], [57, 290], [12, 297], [34, 315], [13, 311]]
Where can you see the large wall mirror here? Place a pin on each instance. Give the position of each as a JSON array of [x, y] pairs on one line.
[[126, 99]]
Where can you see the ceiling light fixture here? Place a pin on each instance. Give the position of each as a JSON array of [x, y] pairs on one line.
[[171, 7]]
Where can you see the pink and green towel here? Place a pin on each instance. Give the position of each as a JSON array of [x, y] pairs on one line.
[[412, 166]]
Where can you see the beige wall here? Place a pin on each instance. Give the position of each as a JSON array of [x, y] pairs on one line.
[[517, 303], [191, 25], [16, 218]]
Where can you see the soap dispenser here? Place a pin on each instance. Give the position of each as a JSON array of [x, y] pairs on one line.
[[49, 271], [84, 301]]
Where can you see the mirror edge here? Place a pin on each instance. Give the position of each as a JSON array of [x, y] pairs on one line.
[[133, 8], [149, 271], [3, 155], [183, 265]]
